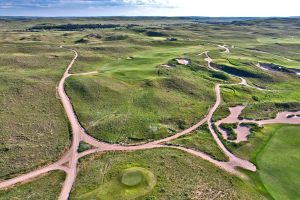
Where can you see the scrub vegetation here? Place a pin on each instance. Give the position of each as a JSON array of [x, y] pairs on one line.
[[34, 130]]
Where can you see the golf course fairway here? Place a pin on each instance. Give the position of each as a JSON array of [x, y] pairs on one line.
[[279, 162]]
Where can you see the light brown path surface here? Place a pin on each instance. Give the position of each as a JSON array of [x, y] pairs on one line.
[[69, 161], [85, 73], [226, 49], [209, 61]]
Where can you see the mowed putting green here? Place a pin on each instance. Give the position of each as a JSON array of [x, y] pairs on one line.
[[279, 162], [132, 183], [132, 177]]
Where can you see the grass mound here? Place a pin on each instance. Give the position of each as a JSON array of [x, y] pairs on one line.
[[133, 183], [132, 177]]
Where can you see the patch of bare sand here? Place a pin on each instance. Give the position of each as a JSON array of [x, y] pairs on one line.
[[183, 61]]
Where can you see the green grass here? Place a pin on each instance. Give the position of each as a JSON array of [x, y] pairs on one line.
[[179, 176], [132, 177], [201, 140], [279, 161], [46, 187], [274, 150], [257, 140]]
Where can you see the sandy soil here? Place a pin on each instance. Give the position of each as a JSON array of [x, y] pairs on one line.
[[243, 132], [226, 49], [85, 73], [183, 61]]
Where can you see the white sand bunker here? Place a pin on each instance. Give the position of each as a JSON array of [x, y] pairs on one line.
[[242, 133], [183, 61], [129, 58]]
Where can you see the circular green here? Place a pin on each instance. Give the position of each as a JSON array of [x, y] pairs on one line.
[[132, 177]]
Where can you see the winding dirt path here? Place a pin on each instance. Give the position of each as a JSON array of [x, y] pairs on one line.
[[69, 161], [226, 49], [209, 61], [243, 81]]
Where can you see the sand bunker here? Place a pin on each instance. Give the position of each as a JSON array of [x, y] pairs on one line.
[[243, 131], [183, 61]]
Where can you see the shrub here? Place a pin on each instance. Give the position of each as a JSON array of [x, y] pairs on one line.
[[220, 75], [116, 37], [229, 128], [82, 40], [155, 34]]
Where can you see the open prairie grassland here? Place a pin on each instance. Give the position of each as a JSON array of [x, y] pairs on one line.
[[34, 129], [129, 88]]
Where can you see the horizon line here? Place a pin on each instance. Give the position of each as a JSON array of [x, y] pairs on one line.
[[130, 16]]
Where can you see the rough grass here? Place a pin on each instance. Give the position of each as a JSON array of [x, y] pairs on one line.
[[46, 187], [33, 127], [201, 140], [179, 175]]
